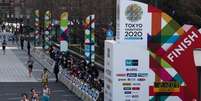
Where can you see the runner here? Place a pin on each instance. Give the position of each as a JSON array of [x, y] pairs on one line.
[[46, 93], [4, 46], [30, 66], [44, 76]]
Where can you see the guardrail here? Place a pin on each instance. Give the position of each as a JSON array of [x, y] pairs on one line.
[[78, 51], [78, 87], [75, 85], [44, 59]]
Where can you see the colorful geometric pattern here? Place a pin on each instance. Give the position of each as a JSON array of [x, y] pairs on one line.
[[36, 16], [47, 28], [64, 26], [165, 32], [89, 50], [36, 25]]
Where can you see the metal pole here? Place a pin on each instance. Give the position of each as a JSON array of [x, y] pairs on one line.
[[90, 41], [199, 82]]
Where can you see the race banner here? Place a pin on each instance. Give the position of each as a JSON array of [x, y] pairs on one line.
[[89, 42], [64, 31], [171, 58], [37, 26], [47, 27], [127, 73], [171, 74], [180, 55]]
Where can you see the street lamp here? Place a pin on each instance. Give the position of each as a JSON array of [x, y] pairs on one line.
[[8, 16], [56, 29], [21, 16], [28, 17], [12, 16], [28, 32], [197, 59]]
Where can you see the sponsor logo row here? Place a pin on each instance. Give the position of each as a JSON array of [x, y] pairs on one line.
[[131, 79], [131, 62], [130, 84], [132, 74], [131, 96], [131, 88]]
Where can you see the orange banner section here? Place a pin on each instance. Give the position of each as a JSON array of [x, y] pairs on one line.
[[156, 23], [166, 90], [172, 86]]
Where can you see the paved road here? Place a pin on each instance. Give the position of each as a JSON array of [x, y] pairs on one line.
[[14, 78], [11, 91], [12, 69]]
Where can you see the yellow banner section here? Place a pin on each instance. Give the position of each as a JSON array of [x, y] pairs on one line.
[[171, 86]]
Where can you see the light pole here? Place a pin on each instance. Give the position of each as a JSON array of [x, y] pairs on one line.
[[28, 17], [56, 29], [21, 28], [28, 27], [197, 59]]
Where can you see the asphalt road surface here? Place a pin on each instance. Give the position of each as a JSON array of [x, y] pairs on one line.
[[11, 91]]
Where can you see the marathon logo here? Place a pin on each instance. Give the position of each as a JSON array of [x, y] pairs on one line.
[[131, 69], [127, 92], [131, 62], [136, 84], [127, 88], [131, 74], [126, 84], [142, 74], [135, 96], [131, 79], [121, 79], [135, 88], [128, 96], [141, 79], [121, 75]]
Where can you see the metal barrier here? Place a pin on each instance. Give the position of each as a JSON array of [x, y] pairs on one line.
[[78, 87], [75, 85], [43, 59]]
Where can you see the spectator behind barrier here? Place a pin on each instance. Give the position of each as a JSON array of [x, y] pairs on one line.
[[79, 70]]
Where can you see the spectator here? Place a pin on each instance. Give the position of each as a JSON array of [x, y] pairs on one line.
[[22, 42], [51, 52], [24, 97], [3, 27], [101, 95], [64, 62], [56, 70], [94, 72], [69, 63]]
